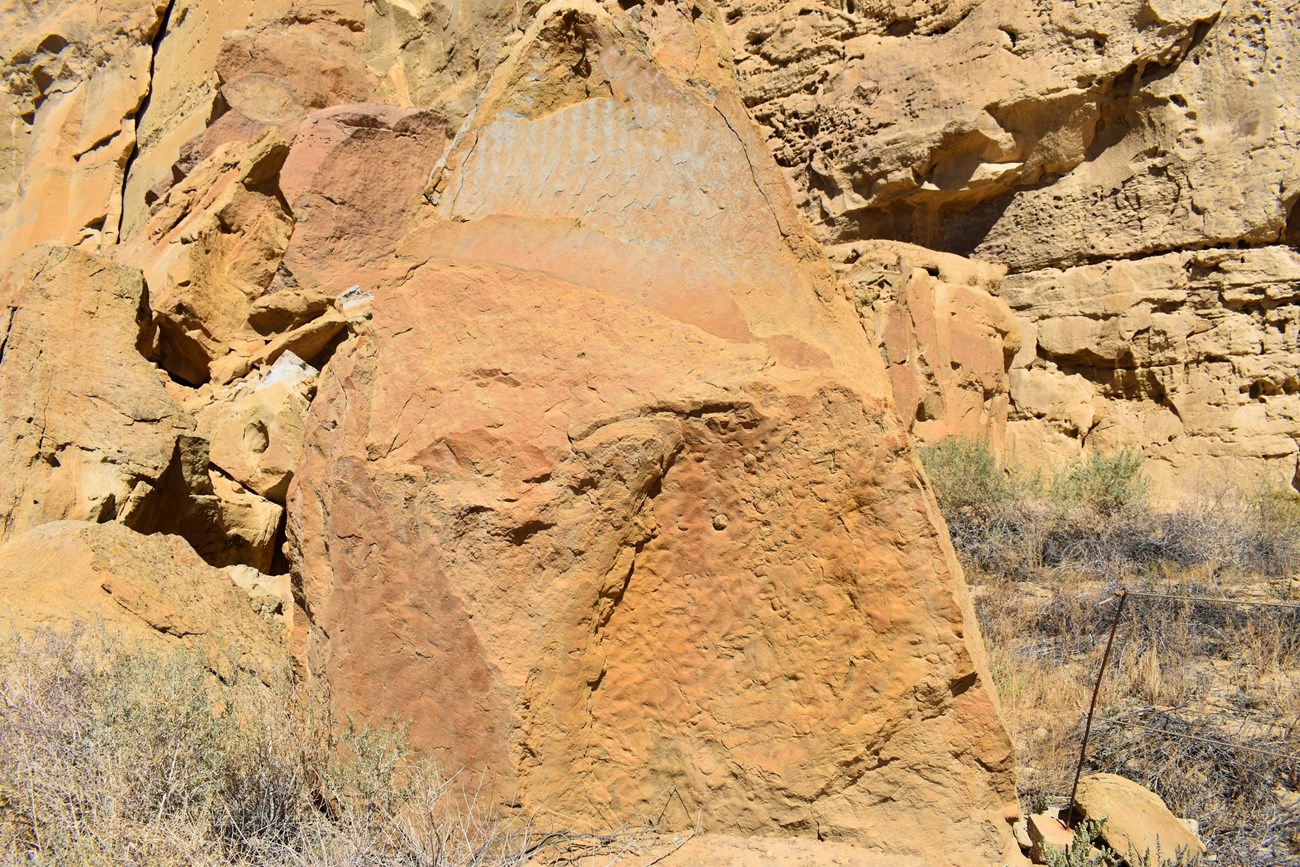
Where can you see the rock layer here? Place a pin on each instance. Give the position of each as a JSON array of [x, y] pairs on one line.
[[1189, 357], [1026, 134], [1060, 137]]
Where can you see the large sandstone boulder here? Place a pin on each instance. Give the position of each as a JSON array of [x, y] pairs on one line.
[[152, 589], [84, 417], [353, 175], [609, 497], [612, 580], [1135, 821]]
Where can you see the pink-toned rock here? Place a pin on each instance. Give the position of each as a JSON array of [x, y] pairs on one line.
[[1048, 836], [353, 176], [183, 94], [227, 72], [277, 75], [947, 339]]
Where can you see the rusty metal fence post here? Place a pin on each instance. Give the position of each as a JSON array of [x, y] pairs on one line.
[[1122, 595]]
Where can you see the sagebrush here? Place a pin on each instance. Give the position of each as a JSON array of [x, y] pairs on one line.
[[1201, 703], [117, 755], [1008, 522]]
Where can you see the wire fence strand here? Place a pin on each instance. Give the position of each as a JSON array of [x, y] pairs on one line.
[[1290, 757], [1215, 600]]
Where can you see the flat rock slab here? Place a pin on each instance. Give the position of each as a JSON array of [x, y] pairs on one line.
[[1046, 831], [1137, 825]]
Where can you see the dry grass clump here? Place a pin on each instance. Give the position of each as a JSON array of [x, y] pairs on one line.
[[111, 755], [1094, 518], [1206, 765], [1202, 700], [1201, 704]]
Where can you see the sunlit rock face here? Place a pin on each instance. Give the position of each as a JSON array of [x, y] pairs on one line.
[[609, 496], [561, 363], [1092, 150]]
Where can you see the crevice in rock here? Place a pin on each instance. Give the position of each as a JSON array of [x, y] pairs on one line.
[[155, 44], [521, 534], [1291, 231], [146, 342], [610, 598], [280, 563], [10, 314], [322, 358], [741, 410], [752, 173], [1162, 250]]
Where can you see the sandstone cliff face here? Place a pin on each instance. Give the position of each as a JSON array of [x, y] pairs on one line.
[[86, 417], [565, 358], [1189, 356], [1050, 137], [76, 77], [586, 452]]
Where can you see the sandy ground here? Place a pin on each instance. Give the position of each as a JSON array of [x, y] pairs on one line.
[[719, 850]]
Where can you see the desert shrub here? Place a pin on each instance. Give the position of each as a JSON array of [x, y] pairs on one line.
[[1105, 484], [1080, 852], [1204, 767], [1094, 518], [1199, 702], [114, 755], [1271, 541], [965, 475], [997, 518]]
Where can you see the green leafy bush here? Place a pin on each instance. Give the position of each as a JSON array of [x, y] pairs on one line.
[[1080, 852], [1095, 518], [965, 475], [1106, 484], [1273, 544]]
